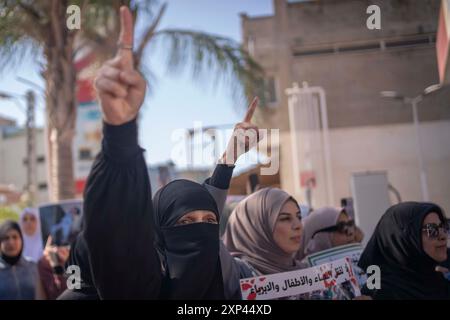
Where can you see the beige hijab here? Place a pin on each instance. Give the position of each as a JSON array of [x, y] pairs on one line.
[[249, 232], [318, 219]]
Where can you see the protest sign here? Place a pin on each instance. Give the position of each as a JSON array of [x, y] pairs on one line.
[[336, 277], [352, 251], [61, 220]]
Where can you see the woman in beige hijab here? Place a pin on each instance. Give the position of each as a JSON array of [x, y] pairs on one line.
[[264, 232]]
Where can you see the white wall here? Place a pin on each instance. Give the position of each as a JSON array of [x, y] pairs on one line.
[[12, 167], [391, 148]]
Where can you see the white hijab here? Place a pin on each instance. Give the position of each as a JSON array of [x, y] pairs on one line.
[[32, 245]]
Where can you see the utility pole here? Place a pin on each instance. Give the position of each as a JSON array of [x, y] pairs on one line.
[[31, 146], [414, 102], [31, 184]]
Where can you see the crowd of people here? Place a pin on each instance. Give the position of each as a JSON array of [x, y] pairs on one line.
[[134, 247]]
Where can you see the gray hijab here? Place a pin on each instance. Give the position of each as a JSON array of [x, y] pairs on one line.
[[318, 219], [249, 232]]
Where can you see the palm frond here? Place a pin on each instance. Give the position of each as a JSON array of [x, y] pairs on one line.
[[21, 31], [150, 79], [147, 6], [148, 35], [210, 55], [13, 52]]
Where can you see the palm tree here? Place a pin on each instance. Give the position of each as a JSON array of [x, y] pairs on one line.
[[39, 26]]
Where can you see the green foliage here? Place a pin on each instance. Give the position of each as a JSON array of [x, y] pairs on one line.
[[25, 27], [8, 213]]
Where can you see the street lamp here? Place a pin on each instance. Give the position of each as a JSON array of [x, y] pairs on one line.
[[414, 102]]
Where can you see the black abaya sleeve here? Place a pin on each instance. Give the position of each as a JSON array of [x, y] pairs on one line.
[[219, 183], [221, 176], [119, 225]]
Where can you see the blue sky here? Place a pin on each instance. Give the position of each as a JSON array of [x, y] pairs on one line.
[[177, 101]]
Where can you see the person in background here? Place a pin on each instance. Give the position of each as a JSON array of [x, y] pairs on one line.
[[32, 236], [79, 256], [359, 235], [19, 278], [51, 269], [253, 183], [347, 205], [408, 243], [326, 228]]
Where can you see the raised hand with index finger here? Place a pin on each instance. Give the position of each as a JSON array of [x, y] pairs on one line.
[[120, 87], [245, 136]]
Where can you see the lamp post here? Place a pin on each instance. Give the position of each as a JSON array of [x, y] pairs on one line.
[[414, 103]]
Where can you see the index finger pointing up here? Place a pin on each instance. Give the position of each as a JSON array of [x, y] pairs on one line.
[[251, 110], [126, 36]]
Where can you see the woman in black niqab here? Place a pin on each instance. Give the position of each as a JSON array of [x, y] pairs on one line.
[[407, 271], [189, 253]]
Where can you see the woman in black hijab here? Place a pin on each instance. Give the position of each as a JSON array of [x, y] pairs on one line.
[[19, 278], [120, 230], [408, 243], [187, 241]]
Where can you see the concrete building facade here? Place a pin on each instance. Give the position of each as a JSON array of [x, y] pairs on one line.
[[327, 43], [13, 161]]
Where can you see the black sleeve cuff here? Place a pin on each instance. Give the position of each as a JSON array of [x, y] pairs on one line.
[[59, 270], [221, 176], [121, 142]]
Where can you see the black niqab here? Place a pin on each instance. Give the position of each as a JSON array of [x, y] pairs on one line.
[[189, 253]]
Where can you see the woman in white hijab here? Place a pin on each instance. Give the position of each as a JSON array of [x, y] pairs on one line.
[[32, 236]]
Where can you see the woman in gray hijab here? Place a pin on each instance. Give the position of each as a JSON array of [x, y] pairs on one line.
[[326, 228], [264, 232]]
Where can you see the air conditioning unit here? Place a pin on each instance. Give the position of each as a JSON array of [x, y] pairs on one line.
[[370, 191]]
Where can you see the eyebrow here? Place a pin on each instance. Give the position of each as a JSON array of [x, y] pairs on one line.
[[289, 214]]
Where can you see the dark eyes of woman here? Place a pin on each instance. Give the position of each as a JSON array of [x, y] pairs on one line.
[[286, 217], [188, 221]]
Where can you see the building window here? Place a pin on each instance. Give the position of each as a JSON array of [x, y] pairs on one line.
[[42, 186], [271, 90], [39, 159], [85, 154], [251, 46]]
